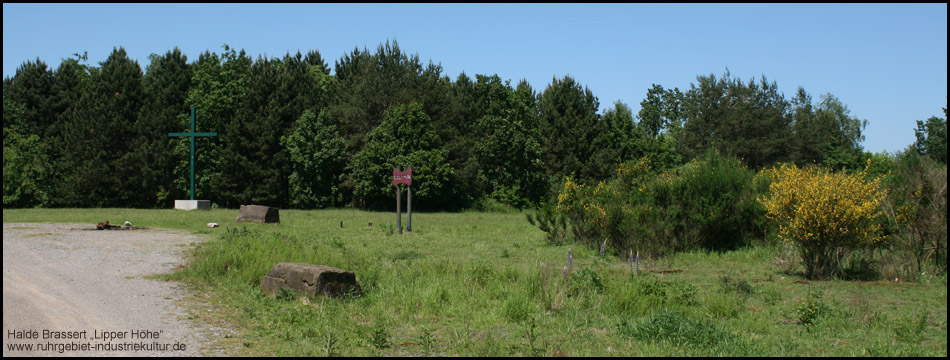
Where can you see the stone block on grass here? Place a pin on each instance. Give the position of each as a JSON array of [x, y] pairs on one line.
[[310, 279], [258, 213]]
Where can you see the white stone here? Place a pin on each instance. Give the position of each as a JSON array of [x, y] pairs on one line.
[[193, 204], [212, 225]]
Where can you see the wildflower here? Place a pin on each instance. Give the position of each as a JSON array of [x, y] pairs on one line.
[[630, 261], [638, 263], [570, 261]]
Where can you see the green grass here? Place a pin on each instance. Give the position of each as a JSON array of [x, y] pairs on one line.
[[486, 284]]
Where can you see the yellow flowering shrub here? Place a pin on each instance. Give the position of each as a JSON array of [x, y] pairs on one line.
[[826, 214]]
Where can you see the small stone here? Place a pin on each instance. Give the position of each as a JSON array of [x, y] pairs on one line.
[[212, 225]]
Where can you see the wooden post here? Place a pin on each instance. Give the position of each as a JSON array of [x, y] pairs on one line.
[[399, 209], [403, 177]]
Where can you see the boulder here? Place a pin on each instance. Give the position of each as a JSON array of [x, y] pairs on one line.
[[310, 279], [258, 213]]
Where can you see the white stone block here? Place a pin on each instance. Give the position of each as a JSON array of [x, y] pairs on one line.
[[193, 204]]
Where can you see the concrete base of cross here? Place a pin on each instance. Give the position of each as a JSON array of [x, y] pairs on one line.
[[193, 204]]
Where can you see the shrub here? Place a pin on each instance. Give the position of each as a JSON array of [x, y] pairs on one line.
[[707, 203], [716, 201], [826, 215], [26, 171], [811, 310], [916, 209], [551, 222]]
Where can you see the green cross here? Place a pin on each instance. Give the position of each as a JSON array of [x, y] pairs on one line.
[[192, 135]]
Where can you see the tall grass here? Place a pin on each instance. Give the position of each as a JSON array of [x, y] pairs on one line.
[[488, 284]]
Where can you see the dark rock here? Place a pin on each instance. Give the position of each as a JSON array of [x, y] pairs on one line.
[[105, 226], [258, 213], [310, 279]]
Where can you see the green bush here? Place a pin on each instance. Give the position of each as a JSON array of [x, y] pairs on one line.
[[317, 153], [916, 218], [406, 137], [26, 171], [707, 203]]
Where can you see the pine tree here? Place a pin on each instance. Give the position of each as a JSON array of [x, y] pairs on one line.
[[165, 87], [744, 120], [101, 131], [569, 124]]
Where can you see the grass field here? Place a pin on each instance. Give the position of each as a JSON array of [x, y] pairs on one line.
[[486, 284]]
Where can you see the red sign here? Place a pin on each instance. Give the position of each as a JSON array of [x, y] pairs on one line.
[[402, 177]]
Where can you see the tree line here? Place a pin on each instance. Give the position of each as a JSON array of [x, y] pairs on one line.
[[292, 135]]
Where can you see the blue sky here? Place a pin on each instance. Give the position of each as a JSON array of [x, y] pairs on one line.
[[886, 62]]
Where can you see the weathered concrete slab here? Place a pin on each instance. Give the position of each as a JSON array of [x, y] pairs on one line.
[[258, 213], [193, 204], [310, 279]]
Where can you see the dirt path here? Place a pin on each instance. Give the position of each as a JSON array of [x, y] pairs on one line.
[[68, 290]]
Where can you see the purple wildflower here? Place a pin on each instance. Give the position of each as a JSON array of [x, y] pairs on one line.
[[638, 262], [570, 261], [630, 260]]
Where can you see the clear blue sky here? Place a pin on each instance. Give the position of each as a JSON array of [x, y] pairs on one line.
[[886, 62]]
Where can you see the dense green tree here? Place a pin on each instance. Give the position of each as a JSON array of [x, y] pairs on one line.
[[507, 144], [69, 82], [219, 85], [569, 123], [287, 127], [404, 138], [843, 149], [101, 131], [457, 131], [808, 139], [618, 142], [25, 165], [26, 169], [31, 87], [317, 153], [932, 138], [747, 120], [165, 85], [369, 84], [661, 111], [661, 119], [825, 133], [250, 143], [277, 94]]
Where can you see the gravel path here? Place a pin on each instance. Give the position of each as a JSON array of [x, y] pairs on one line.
[[68, 289]]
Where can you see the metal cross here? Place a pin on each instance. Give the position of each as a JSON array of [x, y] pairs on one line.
[[192, 135]]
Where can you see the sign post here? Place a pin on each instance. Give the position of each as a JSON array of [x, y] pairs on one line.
[[403, 177], [192, 135]]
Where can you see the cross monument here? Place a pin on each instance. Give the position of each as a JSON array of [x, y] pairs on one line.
[[192, 203]]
